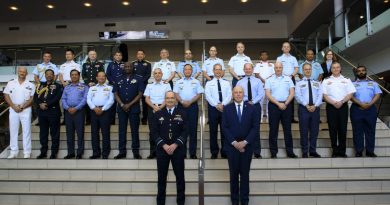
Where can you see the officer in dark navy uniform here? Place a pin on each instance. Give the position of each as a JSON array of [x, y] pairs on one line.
[[89, 71], [47, 98], [170, 131], [143, 69], [128, 92], [364, 113], [114, 72]]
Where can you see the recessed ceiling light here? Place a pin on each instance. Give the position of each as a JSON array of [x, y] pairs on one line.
[[14, 8], [244, 1], [164, 2], [50, 6], [87, 4], [126, 3], [204, 1], [386, 1], [283, 0], [361, 17]]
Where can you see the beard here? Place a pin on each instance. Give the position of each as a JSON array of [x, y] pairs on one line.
[[362, 76]]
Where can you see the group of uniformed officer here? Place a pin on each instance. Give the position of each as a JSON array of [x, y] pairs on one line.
[[273, 84]]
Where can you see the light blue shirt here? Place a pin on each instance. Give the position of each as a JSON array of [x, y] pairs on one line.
[[208, 65], [166, 66], [40, 70], [74, 95], [366, 90], [188, 88], [257, 88], [194, 64], [279, 86], [212, 95], [316, 69], [289, 63], [156, 92], [302, 92], [100, 96], [237, 62]]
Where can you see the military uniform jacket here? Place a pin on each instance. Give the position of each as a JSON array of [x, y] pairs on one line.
[[51, 95], [90, 70], [169, 129], [142, 69], [128, 89]]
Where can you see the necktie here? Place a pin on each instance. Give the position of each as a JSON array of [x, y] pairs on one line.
[[219, 91], [170, 111], [310, 94], [239, 112], [249, 90]]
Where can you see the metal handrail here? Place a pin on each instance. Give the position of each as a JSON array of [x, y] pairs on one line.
[[351, 64], [4, 111], [201, 165]]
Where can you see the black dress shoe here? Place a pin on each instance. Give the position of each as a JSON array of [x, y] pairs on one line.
[[371, 154], [105, 157], [120, 156], [53, 156], [214, 156], [292, 155], [358, 154], [42, 156], [37, 124], [305, 155], [151, 156], [69, 156], [137, 156], [63, 123], [144, 122], [274, 156], [113, 122], [87, 122], [294, 121], [315, 155], [79, 156], [223, 156], [94, 157], [193, 157], [258, 156], [343, 155]]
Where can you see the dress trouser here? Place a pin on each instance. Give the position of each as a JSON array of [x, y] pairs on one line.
[[163, 160], [192, 116], [337, 122], [75, 123], [215, 119], [152, 142], [363, 127], [239, 167], [101, 123], [309, 124], [52, 122], [124, 118], [15, 119], [275, 116]]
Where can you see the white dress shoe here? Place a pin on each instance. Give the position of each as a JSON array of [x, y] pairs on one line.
[[26, 156], [12, 155]]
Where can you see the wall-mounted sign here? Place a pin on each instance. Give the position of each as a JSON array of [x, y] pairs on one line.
[[133, 35]]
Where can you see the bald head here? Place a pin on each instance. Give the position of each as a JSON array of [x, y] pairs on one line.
[[22, 72], [278, 68], [238, 94]]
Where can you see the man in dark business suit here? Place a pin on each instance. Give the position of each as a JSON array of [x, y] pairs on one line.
[[240, 124]]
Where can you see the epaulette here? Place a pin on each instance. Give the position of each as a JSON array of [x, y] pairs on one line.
[[100, 61], [147, 61]]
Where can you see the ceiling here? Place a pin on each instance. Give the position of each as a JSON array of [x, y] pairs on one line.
[[36, 10]]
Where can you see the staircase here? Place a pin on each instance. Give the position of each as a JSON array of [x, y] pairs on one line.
[[324, 181]]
